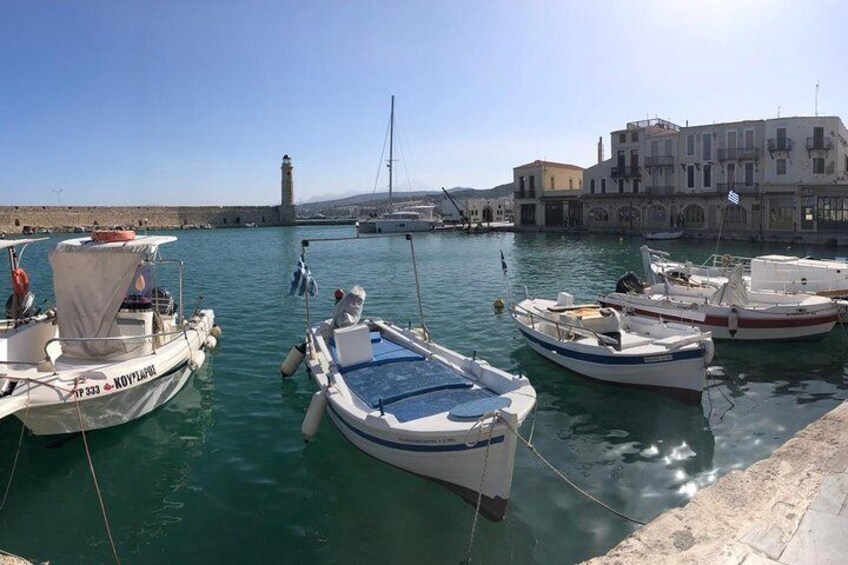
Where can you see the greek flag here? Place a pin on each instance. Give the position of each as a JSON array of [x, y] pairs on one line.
[[302, 281], [503, 263], [733, 197]]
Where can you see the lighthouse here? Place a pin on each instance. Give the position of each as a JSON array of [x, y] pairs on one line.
[[287, 215]]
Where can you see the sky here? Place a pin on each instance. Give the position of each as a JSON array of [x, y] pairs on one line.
[[184, 102]]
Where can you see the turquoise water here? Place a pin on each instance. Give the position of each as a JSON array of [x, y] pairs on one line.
[[221, 473]]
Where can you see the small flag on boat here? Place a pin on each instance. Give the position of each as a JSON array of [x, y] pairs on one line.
[[503, 263], [302, 281], [733, 197]]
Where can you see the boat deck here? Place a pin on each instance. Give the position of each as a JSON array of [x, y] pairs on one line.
[[407, 385]]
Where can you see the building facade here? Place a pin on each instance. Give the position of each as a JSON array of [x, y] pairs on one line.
[[791, 175], [545, 194]]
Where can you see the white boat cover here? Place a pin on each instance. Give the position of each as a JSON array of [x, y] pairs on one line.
[[90, 281]]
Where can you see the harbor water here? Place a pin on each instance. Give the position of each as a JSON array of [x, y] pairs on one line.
[[221, 473]]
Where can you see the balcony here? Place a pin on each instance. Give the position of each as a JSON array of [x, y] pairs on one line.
[[739, 154], [665, 190], [738, 188], [627, 171], [779, 144], [519, 194], [819, 143], [659, 161]]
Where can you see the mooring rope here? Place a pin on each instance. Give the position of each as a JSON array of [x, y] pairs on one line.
[[568, 481], [494, 417], [17, 452], [94, 476]]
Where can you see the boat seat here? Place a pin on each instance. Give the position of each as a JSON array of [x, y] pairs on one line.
[[474, 409], [388, 382], [675, 341], [634, 341], [383, 351]]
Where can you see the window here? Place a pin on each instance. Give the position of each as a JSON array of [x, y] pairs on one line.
[[818, 166], [620, 185], [553, 183], [818, 137], [591, 186], [735, 217], [603, 186], [707, 147], [693, 216], [667, 147], [654, 146], [833, 214], [622, 137], [521, 185], [731, 174], [599, 215], [690, 176], [528, 214], [622, 158], [628, 216], [749, 174], [781, 166], [635, 185], [708, 176], [570, 184], [532, 186], [781, 212], [634, 158], [634, 137], [781, 140], [690, 144], [749, 138]]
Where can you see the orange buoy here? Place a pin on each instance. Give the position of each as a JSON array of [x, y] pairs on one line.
[[20, 282], [106, 236]]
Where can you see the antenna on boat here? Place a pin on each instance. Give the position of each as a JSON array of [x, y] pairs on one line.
[[418, 288]]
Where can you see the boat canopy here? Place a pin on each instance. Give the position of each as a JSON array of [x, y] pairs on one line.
[[90, 281], [7, 243]]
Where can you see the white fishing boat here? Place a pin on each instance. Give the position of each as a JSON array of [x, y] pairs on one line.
[[404, 219], [120, 353], [666, 234], [403, 399], [26, 329], [618, 348], [728, 311]]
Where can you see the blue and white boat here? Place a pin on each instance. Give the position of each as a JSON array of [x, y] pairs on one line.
[[418, 406], [604, 344]]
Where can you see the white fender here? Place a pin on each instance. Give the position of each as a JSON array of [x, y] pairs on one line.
[[733, 322], [709, 351], [211, 342], [293, 360], [196, 360], [216, 331], [314, 413]]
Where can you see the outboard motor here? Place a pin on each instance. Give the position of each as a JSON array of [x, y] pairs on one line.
[[20, 307], [629, 283], [163, 302]]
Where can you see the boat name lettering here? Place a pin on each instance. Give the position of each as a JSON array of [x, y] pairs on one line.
[[658, 359], [134, 377], [426, 441]]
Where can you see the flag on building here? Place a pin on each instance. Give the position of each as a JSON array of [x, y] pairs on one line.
[[733, 197], [302, 281], [503, 263]]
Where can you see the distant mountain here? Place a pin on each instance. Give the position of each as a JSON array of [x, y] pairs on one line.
[[432, 196]]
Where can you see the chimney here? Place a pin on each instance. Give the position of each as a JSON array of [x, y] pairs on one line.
[[600, 149]]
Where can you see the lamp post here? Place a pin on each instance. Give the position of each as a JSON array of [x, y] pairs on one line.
[[58, 192]]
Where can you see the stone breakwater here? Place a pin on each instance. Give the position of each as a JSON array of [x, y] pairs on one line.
[[14, 219]]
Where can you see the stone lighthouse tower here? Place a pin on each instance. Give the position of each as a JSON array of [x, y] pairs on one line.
[[287, 215]]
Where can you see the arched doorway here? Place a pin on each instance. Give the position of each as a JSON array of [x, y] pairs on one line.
[[487, 214]]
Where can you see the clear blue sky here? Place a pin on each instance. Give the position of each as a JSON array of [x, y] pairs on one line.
[[195, 102]]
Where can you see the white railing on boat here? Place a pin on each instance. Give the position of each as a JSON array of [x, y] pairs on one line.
[[606, 340]]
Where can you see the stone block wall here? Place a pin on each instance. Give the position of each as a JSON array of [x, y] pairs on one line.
[[13, 219]]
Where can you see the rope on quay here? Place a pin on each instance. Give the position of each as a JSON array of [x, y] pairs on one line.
[[94, 476]]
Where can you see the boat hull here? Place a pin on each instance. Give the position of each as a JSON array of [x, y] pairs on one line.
[[732, 322], [396, 226], [681, 373]]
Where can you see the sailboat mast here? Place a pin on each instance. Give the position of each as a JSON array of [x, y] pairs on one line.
[[391, 148]]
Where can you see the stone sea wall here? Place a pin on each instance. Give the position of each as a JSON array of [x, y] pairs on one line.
[[13, 219]]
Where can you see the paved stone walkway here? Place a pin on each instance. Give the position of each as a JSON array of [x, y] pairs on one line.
[[791, 508]]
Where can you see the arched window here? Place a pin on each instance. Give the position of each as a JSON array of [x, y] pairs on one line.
[[693, 216], [656, 216], [598, 215], [735, 216], [628, 216]]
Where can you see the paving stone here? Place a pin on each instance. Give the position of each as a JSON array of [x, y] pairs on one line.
[[754, 559], [821, 539], [766, 538], [832, 494], [839, 463]]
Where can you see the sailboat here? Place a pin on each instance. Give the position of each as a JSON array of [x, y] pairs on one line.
[[405, 219]]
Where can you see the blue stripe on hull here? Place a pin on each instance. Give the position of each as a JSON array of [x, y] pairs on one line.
[[615, 360], [414, 447]]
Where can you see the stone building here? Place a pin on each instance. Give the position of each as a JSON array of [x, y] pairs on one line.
[[479, 210], [545, 194]]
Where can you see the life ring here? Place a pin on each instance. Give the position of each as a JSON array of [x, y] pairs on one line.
[[112, 235], [20, 282]]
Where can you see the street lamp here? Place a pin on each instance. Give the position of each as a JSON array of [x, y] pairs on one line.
[[58, 192]]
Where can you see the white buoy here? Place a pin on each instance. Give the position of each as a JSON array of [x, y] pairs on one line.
[[293, 360], [211, 342], [216, 331], [196, 360], [314, 413]]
